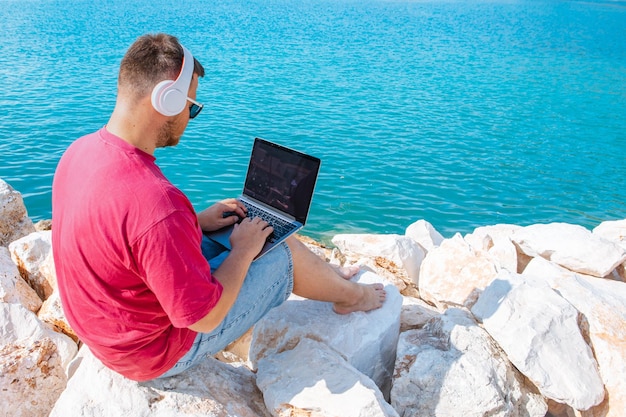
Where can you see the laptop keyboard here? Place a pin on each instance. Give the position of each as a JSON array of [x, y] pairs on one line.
[[281, 227]]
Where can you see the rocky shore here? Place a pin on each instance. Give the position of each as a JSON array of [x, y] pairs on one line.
[[504, 321]]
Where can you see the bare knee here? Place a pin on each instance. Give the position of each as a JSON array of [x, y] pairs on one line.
[[296, 247]]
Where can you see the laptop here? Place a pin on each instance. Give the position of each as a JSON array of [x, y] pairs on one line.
[[278, 188]]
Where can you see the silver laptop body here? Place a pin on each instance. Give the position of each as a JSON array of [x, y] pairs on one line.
[[279, 188]]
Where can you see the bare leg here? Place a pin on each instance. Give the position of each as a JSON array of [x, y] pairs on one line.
[[317, 280]]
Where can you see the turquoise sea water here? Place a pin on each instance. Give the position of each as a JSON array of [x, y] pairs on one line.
[[463, 113]]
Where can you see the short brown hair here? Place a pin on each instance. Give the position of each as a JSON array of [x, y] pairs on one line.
[[150, 60]]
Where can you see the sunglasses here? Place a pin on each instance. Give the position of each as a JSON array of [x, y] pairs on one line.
[[195, 108]]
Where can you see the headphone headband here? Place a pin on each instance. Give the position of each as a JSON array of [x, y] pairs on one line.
[[169, 97]]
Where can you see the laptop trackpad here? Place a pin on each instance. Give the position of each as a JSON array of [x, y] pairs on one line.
[[221, 236]]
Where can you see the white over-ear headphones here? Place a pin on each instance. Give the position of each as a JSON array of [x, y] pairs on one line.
[[169, 97]]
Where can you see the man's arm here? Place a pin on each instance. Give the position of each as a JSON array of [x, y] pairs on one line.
[[247, 240]]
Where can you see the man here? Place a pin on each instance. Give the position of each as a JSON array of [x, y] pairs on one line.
[[131, 261]]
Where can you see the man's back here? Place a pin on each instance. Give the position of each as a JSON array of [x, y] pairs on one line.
[[117, 223]]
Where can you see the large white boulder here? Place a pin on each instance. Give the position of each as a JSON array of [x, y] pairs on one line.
[[614, 230], [366, 339], [33, 359], [602, 304], [425, 234], [416, 313], [538, 330], [455, 273], [314, 379], [14, 220], [571, 246], [31, 378], [210, 389], [51, 312], [405, 252], [389, 271], [33, 256], [13, 288], [452, 367], [21, 326], [496, 242]]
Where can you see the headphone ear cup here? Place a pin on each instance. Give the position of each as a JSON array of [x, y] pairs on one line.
[[166, 100], [157, 94]]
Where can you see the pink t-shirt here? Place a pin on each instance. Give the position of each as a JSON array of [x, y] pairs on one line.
[[126, 246]]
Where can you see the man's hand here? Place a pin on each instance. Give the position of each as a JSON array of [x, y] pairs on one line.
[[221, 214], [249, 236]]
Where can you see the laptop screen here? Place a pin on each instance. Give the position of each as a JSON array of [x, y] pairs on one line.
[[282, 178]]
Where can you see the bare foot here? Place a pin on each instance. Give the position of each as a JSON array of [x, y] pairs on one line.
[[372, 297], [346, 272]]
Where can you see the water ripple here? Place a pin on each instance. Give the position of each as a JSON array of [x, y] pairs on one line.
[[461, 113]]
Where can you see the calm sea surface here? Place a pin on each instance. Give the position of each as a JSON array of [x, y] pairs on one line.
[[463, 113]]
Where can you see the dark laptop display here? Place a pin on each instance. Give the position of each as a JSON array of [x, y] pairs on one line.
[[281, 178], [279, 188]]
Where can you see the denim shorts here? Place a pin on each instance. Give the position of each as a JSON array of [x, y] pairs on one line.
[[269, 283]]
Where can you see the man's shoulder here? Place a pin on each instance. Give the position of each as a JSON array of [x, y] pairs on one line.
[[80, 144]]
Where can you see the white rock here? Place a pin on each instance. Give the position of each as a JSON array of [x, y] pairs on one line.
[[31, 378], [602, 304], [496, 242], [425, 234], [452, 367], [455, 273], [51, 312], [571, 246], [33, 359], [14, 220], [402, 250], [390, 272], [33, 256], [614, 230], [20, 326], [538, 330], [366, 339], [13, 288], [415, 313], [314, 380], [210, 389]]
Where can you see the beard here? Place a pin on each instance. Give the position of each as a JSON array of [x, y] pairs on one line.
[[167, 137]]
